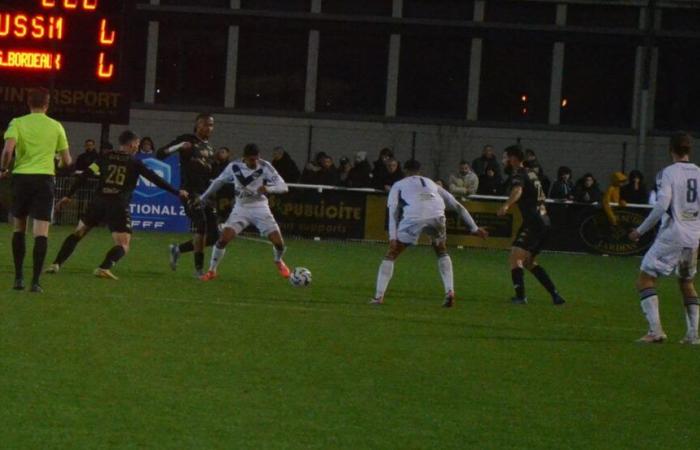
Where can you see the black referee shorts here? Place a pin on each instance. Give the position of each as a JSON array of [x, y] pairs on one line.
[[111, 211], [32, 195]]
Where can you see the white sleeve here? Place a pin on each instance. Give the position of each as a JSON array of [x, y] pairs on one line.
[[456, 206], [393, 204], [226, 177], [274, 183], [664, 195], [173, 148]]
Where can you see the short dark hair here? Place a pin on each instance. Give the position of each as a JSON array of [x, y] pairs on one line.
[[38, 97], [127, 137], [203, 115], [251, 150], [411, 165], [515, 151], [89, 140], [104, 145], [681, 143], [223, 147]]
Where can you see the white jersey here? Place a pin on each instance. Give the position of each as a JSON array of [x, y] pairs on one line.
[[247, 182], [416, 198], [678, 195]]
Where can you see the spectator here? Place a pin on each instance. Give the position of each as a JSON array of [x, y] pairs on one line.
[[440, 182], [360, 175], [380, 170], [328, 173], [532, 161], [488, 157], [563, 188], [490, 183], [635, 191], [507, 174], [344, 168], [146, 146], [393, 175], [310, 173], [88, 157], [587, 190], [222, 158], [285, 165], [106, 147], [465, 182]]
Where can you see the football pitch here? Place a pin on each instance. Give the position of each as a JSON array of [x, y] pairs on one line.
[[161, 360]]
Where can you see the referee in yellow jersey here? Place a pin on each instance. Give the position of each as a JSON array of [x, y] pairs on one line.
[[33, 140]]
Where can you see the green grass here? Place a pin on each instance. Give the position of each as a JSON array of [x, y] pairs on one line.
[[160, 360]]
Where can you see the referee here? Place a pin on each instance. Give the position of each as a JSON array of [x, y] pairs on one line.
[[33, 140]]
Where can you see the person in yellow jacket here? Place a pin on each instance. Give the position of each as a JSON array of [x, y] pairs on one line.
[[612, 195]]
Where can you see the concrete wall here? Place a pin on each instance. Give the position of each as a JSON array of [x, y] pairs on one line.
[[439, 147]]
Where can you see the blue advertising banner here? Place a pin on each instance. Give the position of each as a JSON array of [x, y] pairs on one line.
[[153, 209]]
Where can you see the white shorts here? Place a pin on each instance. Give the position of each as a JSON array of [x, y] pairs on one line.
[[664, 258], [410, 230], [260, 218]]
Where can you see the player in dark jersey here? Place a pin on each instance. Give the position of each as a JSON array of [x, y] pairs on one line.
[[196, 167], [527, 193], [119, 173]]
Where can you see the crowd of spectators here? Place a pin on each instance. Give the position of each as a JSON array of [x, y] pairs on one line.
[[485, 175]]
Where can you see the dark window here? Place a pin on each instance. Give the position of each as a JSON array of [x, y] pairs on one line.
[[439, 9], [602, 16], [358, 7], [681, 19], [678, 91], [205, 3], [271, 68], [515, 81], [433, 77], [520, 12], [277, 5], [137, 39], [191, 63], [352, 71], [598, 84]]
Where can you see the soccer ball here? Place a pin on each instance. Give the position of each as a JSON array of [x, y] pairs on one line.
[[301, 277]]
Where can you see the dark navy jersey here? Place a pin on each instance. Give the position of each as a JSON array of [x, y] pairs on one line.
[[196, 163], [531, 202]]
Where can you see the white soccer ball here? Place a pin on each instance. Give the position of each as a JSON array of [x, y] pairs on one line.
[[301, 277]]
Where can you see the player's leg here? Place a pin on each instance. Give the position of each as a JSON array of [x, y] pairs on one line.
[[445, 269], [41, 212], [121, 240], [686, 271], [19, 249], [517, 259], [278, 250], [68, 246], [543, 277], [386, 270], [649, 301], [228, 233]]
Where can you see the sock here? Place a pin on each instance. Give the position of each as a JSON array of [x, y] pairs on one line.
[[217, 254], [186, 247], [112, 257], [517, 275], [199, 260], [386, 271], [445, 268], [650, 306], [18, 251], [278, 253], [544, 280], [66, 249], [40, 245], [692, 308]]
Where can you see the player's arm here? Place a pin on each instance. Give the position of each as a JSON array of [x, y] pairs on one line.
[[179, 144], [8, 150], [467, 218], [79, 182], [62, 148], [226, 177], [515, 194], [394, 212], [154, 178], [274, 183], [663, 202]]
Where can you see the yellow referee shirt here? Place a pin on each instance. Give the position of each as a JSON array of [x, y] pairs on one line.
[[38, 138]]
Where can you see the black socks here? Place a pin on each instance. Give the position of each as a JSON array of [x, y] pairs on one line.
[[186, 247], [199, 260], [544, 279], [18, 251], [518, 282], [113, 256], [67, 249], [40, 246]]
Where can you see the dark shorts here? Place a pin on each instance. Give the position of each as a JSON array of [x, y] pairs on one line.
[[32, 195], [533, 234], [203, 218], [112, 212]]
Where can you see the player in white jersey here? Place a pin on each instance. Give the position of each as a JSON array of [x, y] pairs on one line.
[[676, 246], [417, 205], [253, 179]]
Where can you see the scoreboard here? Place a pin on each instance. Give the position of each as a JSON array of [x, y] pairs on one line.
[[76, 48]]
